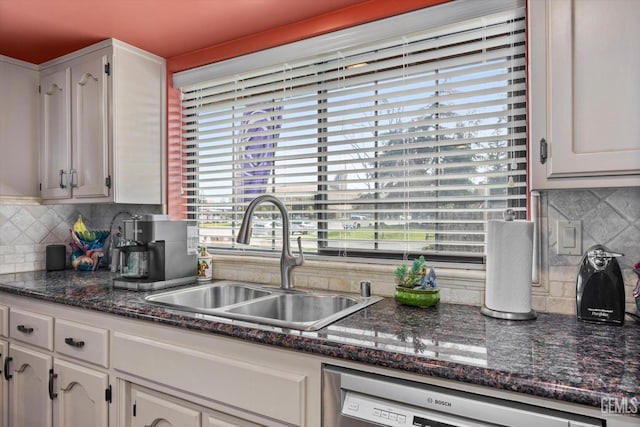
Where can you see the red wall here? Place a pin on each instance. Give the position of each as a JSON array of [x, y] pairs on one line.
[[344, 18]]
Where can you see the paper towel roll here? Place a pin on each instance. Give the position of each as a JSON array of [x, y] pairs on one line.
[[509, 259]]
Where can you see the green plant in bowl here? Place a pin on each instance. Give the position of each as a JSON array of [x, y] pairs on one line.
[[414, 286], [417, 297]]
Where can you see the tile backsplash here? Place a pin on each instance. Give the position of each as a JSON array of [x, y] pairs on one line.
[[609, 216], [27, 227]]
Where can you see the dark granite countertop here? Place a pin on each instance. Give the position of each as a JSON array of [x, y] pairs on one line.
[[554, 356]]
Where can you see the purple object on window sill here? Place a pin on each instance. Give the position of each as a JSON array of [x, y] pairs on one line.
[[259, 142]]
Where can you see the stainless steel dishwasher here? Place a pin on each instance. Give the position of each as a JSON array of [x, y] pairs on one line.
[[358, 399]]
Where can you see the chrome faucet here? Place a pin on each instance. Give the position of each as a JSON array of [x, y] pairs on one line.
[[287, 260]]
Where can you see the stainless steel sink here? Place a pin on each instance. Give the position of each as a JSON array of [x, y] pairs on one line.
[[209, 296], [254, 303], [303, 310]]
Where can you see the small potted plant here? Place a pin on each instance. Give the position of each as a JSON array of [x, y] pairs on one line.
[[415, 286]]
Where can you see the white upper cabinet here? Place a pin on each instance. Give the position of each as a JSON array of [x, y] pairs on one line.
[[18, 128], [55, 135], [90, 173], [584, 93], [102, 126]]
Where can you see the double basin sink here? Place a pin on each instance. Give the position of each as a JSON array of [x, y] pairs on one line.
[[294, 309]]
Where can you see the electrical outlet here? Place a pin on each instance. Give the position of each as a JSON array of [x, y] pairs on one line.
[[569, 237]]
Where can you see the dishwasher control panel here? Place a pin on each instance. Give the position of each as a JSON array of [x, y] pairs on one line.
[[394, 414], [363, 408]]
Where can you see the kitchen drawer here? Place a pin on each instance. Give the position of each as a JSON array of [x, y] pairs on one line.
[[4, 320], [32, 328], [82, 342], [256, 388]]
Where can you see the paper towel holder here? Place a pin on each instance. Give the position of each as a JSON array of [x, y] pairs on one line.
[[531, 315], [518, 313]]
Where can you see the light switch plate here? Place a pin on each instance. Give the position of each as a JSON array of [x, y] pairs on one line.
[[569, 237]]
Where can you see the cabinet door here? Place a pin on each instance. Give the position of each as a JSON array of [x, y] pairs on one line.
[[585, 94], [4, 396], [90, 141], [29, 403], [55, 135], [19, 129], [595, 91], [80, 399], [151, 409]]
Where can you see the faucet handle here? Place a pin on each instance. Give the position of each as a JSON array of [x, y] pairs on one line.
[[300, 259]]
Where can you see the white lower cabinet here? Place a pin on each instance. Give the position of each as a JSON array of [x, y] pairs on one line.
[[65, 369], [150, 408], [4, 320], [4, 394], [247, 382], [79, 398], [28, 374], [44, 391], [40, 387]]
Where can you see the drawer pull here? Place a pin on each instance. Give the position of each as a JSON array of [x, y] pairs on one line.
[[74, 343], [52, 377], [7, 375], [24, 329]]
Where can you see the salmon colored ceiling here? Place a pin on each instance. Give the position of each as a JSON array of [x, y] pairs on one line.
[[39, 30]]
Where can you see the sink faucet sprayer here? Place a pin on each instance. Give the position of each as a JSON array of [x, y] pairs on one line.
[[287, 260]]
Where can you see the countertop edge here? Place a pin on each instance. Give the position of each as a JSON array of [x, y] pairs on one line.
[[459, 372]]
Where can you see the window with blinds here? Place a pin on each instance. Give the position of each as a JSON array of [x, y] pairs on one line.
[[394, 147]]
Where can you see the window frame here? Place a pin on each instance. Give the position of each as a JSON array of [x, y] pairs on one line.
[[458, 10]]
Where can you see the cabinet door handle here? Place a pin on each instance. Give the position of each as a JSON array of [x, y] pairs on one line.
[[544, 151], [74, 178], [73, 343], [7, 375], [24, 329], [62, 173], [52, 377]]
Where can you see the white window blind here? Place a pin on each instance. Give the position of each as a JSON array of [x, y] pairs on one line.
[[407, 145]]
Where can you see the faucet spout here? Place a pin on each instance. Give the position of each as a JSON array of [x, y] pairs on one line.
[[287, 260]]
